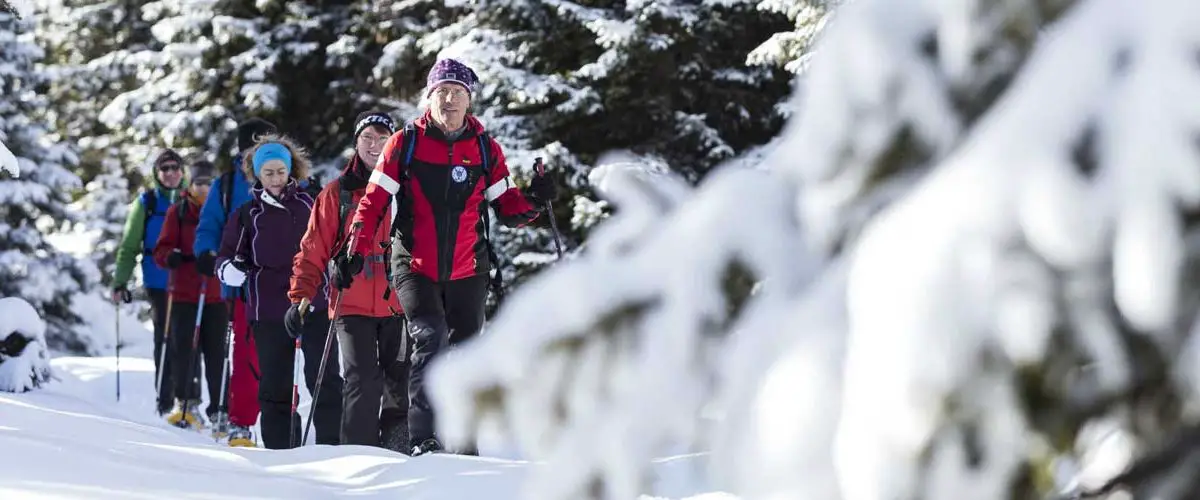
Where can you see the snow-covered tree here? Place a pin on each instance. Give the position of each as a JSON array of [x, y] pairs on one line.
[[33, 206], [972, 255], [102, 211], [572, 82]]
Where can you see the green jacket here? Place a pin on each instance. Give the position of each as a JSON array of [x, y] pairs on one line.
[[139, 236]]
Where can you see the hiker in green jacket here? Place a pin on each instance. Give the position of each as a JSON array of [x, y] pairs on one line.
[[142, 226]]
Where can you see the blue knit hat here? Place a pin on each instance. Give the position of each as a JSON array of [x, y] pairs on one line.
[[271, 151], [450, 70]]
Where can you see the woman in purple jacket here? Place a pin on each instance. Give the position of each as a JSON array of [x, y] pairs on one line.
[[256, 253]]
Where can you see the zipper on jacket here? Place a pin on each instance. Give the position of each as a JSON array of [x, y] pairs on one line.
[[448, 251]]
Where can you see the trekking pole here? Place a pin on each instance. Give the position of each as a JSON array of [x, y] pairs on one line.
[[166, 344], [295, 397], [540, 168], [337, 313], [127, 298], [226, 373], [227, 370], [195, 340]]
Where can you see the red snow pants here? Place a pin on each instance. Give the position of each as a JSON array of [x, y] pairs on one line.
[[243, 381]]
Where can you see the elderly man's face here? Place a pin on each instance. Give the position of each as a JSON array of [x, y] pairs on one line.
[[449, 103]]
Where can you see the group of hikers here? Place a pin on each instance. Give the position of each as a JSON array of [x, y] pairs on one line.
[[392, 257]]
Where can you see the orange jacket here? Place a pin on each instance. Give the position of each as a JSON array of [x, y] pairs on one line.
[[320, 243]]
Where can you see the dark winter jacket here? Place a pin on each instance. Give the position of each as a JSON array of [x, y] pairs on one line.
[[443, 195], [266, 234], [180, 233]]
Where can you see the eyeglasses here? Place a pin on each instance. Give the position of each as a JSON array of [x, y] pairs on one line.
[[169, 167], [372, 141], [203, 181]]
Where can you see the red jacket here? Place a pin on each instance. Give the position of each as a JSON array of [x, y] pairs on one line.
[[441, 201], [320, 241], [177, 234]]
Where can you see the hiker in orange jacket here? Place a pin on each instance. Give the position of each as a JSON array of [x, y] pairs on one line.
[[367, 319]]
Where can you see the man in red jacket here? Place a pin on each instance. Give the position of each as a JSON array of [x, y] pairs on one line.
[[442, 187]]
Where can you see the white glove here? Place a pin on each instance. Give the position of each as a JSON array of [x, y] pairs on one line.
[[230, 275]]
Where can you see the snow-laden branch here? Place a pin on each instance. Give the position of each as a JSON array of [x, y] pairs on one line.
[[8, 162]]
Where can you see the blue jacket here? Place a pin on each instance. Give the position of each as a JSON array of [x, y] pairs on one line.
[[213, 215]]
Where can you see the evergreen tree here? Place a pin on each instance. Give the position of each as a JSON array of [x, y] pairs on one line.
[[33, 206], [571, 81]]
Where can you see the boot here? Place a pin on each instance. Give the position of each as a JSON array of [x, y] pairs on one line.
[[240, 436], [431, 445], [194, 419], [220, 425]]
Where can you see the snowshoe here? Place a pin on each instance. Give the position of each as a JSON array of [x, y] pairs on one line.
[[431, 445], [220, 425], [193, 420], [241, 437]]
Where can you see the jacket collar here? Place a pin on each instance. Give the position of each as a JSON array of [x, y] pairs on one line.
[[289, 192], [355, 175]]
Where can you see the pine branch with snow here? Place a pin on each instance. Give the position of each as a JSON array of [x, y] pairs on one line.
[[24, 359], [8, 8], [8, 162], [990, 282]]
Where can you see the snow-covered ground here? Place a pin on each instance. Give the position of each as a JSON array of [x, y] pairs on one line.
[[72, 439]]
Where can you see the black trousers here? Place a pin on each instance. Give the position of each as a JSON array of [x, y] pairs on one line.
[[440, 315], [210, 352], [277, 362], [375, 370]]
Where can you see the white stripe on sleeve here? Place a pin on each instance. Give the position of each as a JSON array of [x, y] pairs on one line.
[[495, 190], [384, 181]]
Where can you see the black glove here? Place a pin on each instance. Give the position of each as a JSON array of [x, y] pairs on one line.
[[294, 321], [542, 189], [175, 259], [206, 264], [121, 294], [342, 270]]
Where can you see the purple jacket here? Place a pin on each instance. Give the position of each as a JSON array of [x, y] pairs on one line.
[[266, 234]]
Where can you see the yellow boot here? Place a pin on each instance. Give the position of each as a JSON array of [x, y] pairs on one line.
[[193, 420], [241, 437]]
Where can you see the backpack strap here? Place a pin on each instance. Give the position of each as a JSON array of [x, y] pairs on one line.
[[227, 190], [314, 186], [345, 197], [149, 199], [485, 146], [181, 210]]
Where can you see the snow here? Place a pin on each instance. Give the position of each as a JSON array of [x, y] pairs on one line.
[[8, 162], [122, 451], [24, 363]]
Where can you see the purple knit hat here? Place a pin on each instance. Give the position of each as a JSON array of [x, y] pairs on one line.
[[450, 70]]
